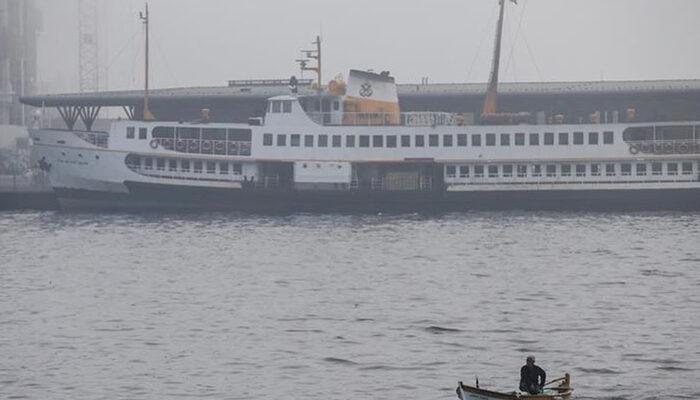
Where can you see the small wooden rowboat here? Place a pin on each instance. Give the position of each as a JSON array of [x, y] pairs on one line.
[[562, 391]]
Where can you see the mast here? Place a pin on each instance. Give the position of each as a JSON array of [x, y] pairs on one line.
[[147, 115], [491, 103], [315, 55]]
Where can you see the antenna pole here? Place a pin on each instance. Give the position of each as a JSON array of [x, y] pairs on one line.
[[147, 115], [490, 104], [318, 50]]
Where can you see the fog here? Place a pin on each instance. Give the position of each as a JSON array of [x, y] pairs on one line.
[[207, 42]]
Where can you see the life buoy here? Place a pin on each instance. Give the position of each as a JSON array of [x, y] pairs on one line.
[[233, 148], [634, 149], [154, 143], [668, 148], [683, 148], [206, 145], [219, 147], [181, 145], [193, 146], [646, 148]]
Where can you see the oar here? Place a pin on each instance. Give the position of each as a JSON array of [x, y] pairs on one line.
[[554, 381]]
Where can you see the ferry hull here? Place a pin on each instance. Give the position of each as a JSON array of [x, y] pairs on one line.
[[147, 196]]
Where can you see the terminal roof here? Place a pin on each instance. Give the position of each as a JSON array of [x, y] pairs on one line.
[[253, 92]]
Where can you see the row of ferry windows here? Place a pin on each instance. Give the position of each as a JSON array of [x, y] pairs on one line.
[[446, 140], [567, 170], [180, 165], [166, 132]]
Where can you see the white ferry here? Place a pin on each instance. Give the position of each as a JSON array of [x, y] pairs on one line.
[[351, 148]]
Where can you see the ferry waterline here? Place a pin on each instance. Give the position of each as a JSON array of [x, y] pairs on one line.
[[350, 148]]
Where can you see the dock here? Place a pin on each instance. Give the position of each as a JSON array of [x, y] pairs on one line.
[[18, 193]]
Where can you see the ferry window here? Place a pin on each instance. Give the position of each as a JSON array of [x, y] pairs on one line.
[[593, 138], [641, 169], [148, 162], [163, 132], [608, 138], [672, 168], [336, 105], [143, 133], [133, 161], [433, 140], [420, 141], [578, 137], [490, 139], [322, 140], [211, 167], [549, 139], [507, 171], [213, 134], [493, 171], [391, 141], [566, 170], [476, 140], [172, 165], [281, 140], [276, 106], [551, 171], [350, 141], [405, 141], [287, 106], [237, 169], [479, 171], [638, 134], [447, 140], [626, 169], [223, 168], [451, 171], [595, 169], [462, 140], [522, 171], [534, 139], [185, 165], [609, 169], [464, 171], [657, 169], [296, 140], [537, 171], [267, 139], [130, 132], [505, 139], [337, 141], [581, 170], [520, 139], [198, 166], [188, 133], [364, 140], [377, 141], [563, 138], [160, 164], [687, 168], [308, 140], [240, 135], [674, 132]]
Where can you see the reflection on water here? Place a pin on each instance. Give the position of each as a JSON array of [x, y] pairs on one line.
[[341, 306]]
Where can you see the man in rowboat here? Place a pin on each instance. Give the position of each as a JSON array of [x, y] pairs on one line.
[[532, 377]]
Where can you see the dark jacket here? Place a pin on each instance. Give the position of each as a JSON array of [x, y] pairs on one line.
[[530, 376]]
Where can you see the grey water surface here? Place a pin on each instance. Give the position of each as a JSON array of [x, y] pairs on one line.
[[230, 306]]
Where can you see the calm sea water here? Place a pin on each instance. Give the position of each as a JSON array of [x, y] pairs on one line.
[[227, 306]]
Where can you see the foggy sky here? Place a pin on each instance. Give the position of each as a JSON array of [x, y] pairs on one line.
[[207, 42]]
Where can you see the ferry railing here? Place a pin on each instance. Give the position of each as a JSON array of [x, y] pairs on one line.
[[573, 179], [677, 146], [386, 119], [99, 139], [204, 146], [192, 175]]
